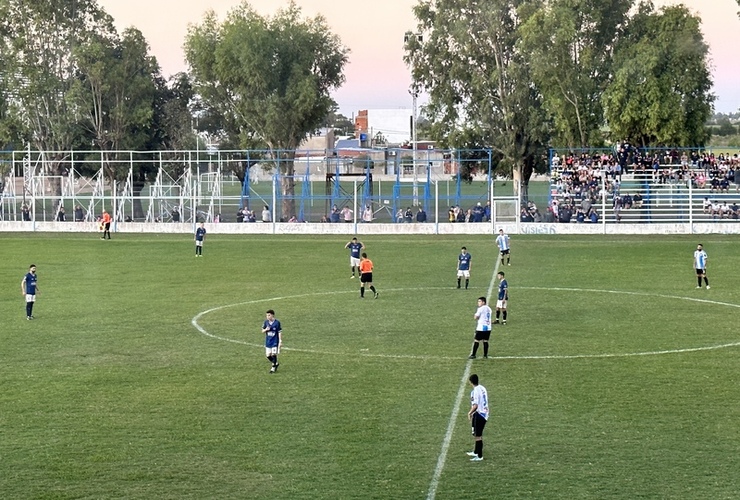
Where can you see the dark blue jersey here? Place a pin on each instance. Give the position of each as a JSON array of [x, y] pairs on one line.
[[503, 288], [31, 283], [200, 234], [354, 249], [463, 263], [271, 335]]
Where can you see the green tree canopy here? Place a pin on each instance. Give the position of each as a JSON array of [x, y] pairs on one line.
[[270, 77], [661, 83], [569, 44], [37, 41], [478, 80]]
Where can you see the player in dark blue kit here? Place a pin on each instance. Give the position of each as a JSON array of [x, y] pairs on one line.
[[503, 297], [355, 249], [29, 289], [463, 267], [200, 236], [273, 339]]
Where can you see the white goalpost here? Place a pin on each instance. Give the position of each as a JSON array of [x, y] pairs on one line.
[[505, 211]]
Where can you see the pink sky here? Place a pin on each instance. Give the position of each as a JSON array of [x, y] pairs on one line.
[[376, 76]]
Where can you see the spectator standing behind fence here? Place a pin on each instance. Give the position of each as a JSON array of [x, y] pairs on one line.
[[421, 215], [334, 215], [25, 213], [347, 213], [367, 214], [175, 215], [61, 216], [266, 215], [478, 212], [79, 214], [408, 215]]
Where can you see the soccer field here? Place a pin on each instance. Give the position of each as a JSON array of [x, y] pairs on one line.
[[144, 376]]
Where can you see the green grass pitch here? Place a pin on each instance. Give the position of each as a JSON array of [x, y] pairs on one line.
[[614, 377]]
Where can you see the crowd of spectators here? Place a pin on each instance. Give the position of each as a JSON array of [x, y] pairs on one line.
[[578, 181]]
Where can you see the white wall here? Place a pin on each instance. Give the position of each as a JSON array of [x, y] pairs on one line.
[[351, 229]]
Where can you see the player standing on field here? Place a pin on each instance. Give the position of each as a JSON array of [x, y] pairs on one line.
[[483, 327], [273, 339], [200, 237], [502, 240], [366, 276], [355, 248], [478, 416], [463, 267], [105, 223], [700, 265], [29, 288], [503, 296]]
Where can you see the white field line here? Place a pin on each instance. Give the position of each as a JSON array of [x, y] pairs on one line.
[[466, 373], [203, 331], [434, 484]]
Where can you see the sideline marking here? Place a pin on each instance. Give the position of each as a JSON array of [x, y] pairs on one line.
[[203, 331], [434, 484]]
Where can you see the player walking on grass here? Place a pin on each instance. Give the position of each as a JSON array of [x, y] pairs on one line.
[[502, 241], [366, 276], [503, 297], [483, 328], [355, 247], [29, 289], [463, 267], [700, 265], [200, 237], [273, 339], [478, 416]]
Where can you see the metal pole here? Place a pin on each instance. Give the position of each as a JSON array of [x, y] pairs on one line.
[[414, 94]]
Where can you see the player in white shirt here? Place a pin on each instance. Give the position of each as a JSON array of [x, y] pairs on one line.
[[502, 240], [478, 416], [483, 327], [700, 265]]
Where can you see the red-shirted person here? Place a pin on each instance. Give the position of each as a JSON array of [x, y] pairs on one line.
[[366, 276], [105, 222]]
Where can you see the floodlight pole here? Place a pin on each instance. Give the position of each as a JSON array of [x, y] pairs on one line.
[[414, 91]]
